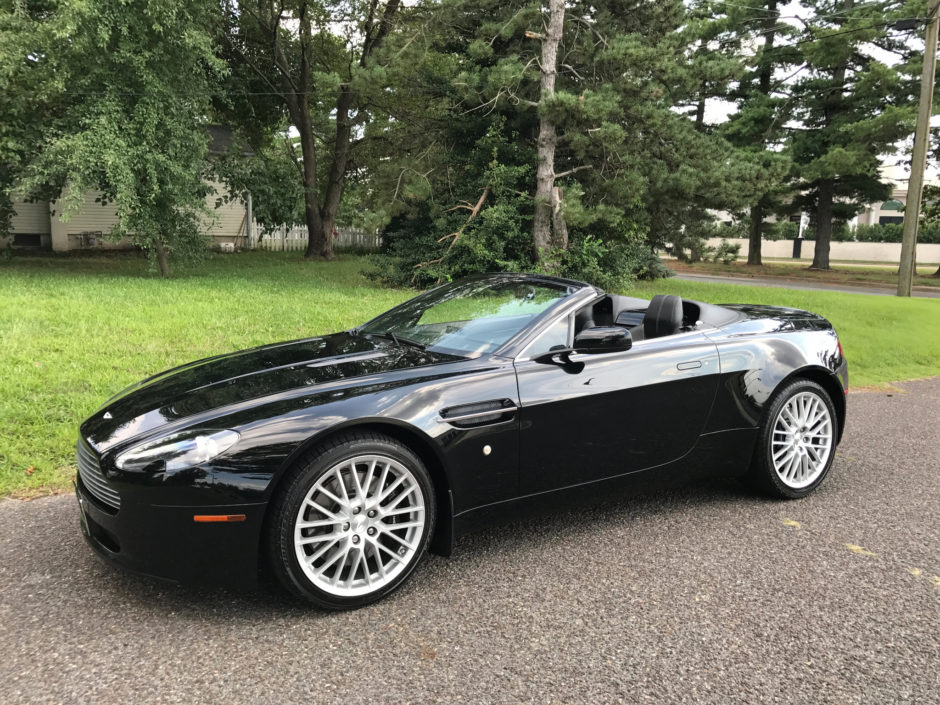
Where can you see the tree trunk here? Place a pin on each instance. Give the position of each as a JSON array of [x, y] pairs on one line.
[[827, 186], [754, 243], [548, 138], [823, 225], [337, 175], [162, 260], [308, 150], [763, 84], [559, 227]]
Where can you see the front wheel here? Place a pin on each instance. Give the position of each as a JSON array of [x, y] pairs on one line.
[[797, 441], [353, 522]]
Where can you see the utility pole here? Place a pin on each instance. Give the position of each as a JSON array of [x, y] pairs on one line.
[[915, 186]]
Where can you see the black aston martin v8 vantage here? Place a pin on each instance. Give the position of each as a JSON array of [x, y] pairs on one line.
[[339, 460]]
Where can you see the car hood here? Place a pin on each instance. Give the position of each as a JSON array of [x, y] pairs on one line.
[[220, 381]]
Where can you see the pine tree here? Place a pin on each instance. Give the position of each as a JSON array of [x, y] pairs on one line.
[[758, 125], [632, 165], [848, 109]]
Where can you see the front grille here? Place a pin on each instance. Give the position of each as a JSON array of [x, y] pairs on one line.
[[91, 476]]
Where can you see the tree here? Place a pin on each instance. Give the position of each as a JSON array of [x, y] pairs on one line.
[[31, 101], [849, 108], [112, 113], [548, 224], [268, 174], [758, 125], [316, 62], [633, 172]]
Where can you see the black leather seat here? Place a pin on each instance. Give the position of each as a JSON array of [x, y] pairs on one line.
[[584, 319], [663, 317]]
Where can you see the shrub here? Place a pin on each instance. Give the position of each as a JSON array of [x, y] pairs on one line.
[[927, 233], [783, 230], [726, 252]]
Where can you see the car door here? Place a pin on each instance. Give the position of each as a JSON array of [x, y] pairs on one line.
[[614, 413]]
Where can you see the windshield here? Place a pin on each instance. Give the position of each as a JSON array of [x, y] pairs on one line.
[[468, 318]]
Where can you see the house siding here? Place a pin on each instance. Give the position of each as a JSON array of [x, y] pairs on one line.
[[90, 225], [31, 218], [227, 223], [86, 227]]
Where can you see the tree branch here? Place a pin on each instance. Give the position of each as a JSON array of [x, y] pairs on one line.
[[454, 236], [574, 171]]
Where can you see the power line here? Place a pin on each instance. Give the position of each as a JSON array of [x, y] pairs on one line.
[[838, 13], [885, 23]]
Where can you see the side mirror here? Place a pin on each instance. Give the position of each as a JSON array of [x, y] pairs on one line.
[[605, 339], [590, 341]]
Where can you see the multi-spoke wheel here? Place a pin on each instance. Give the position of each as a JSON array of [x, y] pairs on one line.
[[797, 440], [354, 521]]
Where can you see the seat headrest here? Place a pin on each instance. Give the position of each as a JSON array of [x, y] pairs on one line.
[[663, 317]]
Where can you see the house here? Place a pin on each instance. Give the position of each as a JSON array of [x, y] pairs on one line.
[[38, 224]]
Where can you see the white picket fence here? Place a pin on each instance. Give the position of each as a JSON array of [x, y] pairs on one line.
[[295, 238]]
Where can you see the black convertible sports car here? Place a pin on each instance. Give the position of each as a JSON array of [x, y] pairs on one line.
[[340, 459]]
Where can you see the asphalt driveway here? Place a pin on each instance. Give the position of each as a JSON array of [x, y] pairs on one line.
[[704, 595]]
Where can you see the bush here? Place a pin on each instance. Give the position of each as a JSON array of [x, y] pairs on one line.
[[841, 233], [783, 230], [726, 252], [613, 266], [927, 233]]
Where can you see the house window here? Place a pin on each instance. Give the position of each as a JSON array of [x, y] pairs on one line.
[[30, 240], [890, 219]]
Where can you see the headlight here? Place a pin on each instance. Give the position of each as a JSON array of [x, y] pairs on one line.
[[179, 451]]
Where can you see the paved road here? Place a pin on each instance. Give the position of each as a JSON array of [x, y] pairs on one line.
[[704, 595], [923, 292]]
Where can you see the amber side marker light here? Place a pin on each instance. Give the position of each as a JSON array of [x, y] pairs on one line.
[[213, 518]]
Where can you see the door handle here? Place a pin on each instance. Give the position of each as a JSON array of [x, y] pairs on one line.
[[690, 365]]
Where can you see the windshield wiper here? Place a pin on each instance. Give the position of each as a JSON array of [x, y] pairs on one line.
[[399, 340]]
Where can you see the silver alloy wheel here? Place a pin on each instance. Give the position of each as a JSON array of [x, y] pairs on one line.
[[802, 440], [360, 525]]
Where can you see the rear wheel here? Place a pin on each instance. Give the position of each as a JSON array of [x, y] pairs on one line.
[[797, 440], [353, 522]]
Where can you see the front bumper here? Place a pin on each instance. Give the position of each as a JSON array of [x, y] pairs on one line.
[[164, 542]]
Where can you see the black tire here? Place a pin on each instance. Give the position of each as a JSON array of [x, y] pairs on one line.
[[763, 474], [312, 467]]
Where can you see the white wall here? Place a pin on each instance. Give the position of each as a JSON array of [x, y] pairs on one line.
[[226, 225], [865, 251], [32, 218], [91, 217]]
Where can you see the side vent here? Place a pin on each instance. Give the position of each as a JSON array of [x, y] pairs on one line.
[[479, 413]]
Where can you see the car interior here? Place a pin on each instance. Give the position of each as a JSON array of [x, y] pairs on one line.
[[665, 314]]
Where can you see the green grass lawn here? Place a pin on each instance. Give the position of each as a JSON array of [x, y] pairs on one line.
[[875, 276], [75, 330]]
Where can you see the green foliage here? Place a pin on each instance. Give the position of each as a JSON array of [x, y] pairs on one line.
[[121, 104], [851, 108], [726, 252], [691, 244], [781, 230], [634, 169], [430, 243], [613, 266], [269, 175]]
